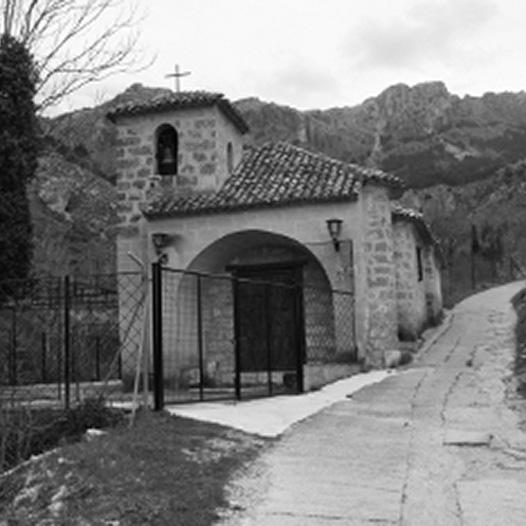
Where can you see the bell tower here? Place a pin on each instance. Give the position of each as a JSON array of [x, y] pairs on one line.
[[185, 142]]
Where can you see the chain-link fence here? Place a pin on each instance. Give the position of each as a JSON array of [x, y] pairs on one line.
[[84, 344], [64, 343]]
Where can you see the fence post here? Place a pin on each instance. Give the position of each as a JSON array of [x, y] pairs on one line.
[[300, 338], [268, 328], [67, 379], [157, 337], [97, 358], [237, 343], [200, 339], [44, 364], [13, 358], [59, 368]]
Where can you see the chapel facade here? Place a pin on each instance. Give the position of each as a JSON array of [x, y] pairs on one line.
[[191, 193]]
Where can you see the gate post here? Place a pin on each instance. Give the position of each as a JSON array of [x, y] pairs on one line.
[[300, 338], [157, 337], [13, 366], [237, 348]]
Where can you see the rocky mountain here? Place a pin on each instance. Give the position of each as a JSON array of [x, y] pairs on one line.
[[74, 214], [459, 156], [423, 133]]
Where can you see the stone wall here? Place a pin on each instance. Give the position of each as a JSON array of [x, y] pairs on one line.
[[410, 290], [203, 138], [379, 275]]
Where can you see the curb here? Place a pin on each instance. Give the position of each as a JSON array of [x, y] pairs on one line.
[[441, 330]]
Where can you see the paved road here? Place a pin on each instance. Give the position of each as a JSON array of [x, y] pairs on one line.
[[433, 445]]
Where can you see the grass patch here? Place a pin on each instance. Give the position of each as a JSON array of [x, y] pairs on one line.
[[26, 431], [163, 471]]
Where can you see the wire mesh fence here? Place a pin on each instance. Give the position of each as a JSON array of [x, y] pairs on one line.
[[79, 344], [64, 342]]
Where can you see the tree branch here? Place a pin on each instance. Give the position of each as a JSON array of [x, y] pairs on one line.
[[75, 42]]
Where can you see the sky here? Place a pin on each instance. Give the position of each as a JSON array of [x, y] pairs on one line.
[[320, 54]]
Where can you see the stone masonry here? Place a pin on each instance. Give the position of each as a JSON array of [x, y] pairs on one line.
[[362, 323], [410, 290], [380, 311], [203, 135]]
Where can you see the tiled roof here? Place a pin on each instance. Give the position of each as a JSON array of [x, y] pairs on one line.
[[180, 100], [276, 175], [408, 214]]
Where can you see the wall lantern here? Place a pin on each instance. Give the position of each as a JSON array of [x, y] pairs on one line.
[[160, 242], [334, 226]]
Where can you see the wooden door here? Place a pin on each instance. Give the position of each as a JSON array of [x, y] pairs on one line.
[[268, 317]]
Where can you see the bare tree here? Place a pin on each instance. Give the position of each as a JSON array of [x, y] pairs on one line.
[[74, 42]]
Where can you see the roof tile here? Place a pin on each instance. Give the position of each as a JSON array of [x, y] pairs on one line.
[[180, 100], [277, 174], [410, 215]]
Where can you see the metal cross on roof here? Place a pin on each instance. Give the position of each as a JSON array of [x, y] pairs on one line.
[[177, 76]]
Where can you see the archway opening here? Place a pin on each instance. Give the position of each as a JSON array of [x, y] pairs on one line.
[[259, 308], [166, 149]]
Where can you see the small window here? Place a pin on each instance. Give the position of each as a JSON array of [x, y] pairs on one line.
[[419, 263], [229, 158], [166, 150]]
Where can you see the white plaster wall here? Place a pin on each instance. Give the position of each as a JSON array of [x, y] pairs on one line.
[[191, 235], [410, 292]]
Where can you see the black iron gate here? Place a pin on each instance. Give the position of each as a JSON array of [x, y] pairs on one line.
[[206, 344], [242, 335]]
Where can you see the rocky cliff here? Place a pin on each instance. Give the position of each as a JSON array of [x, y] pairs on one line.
[[423, 133]]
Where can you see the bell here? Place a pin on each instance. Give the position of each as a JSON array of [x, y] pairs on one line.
[[167, 156]]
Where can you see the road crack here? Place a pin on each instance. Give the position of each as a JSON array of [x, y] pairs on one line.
[[409, 462]]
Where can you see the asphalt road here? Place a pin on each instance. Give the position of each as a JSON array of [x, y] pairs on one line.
[[435, 444]]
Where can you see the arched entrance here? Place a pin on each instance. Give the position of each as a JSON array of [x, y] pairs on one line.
[[249, 313]]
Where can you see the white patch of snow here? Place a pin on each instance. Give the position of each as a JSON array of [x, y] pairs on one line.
[[272, 416]]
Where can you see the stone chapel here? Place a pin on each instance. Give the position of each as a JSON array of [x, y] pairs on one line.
[[193, 195]]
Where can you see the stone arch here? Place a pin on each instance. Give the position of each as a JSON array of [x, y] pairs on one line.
[[166, 149], [324, 341], [215, 257]]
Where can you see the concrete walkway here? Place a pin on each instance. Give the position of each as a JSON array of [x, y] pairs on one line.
[[434, 445]]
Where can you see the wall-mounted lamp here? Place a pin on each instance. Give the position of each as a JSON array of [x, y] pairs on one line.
[[160, 242], [334, 226]]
